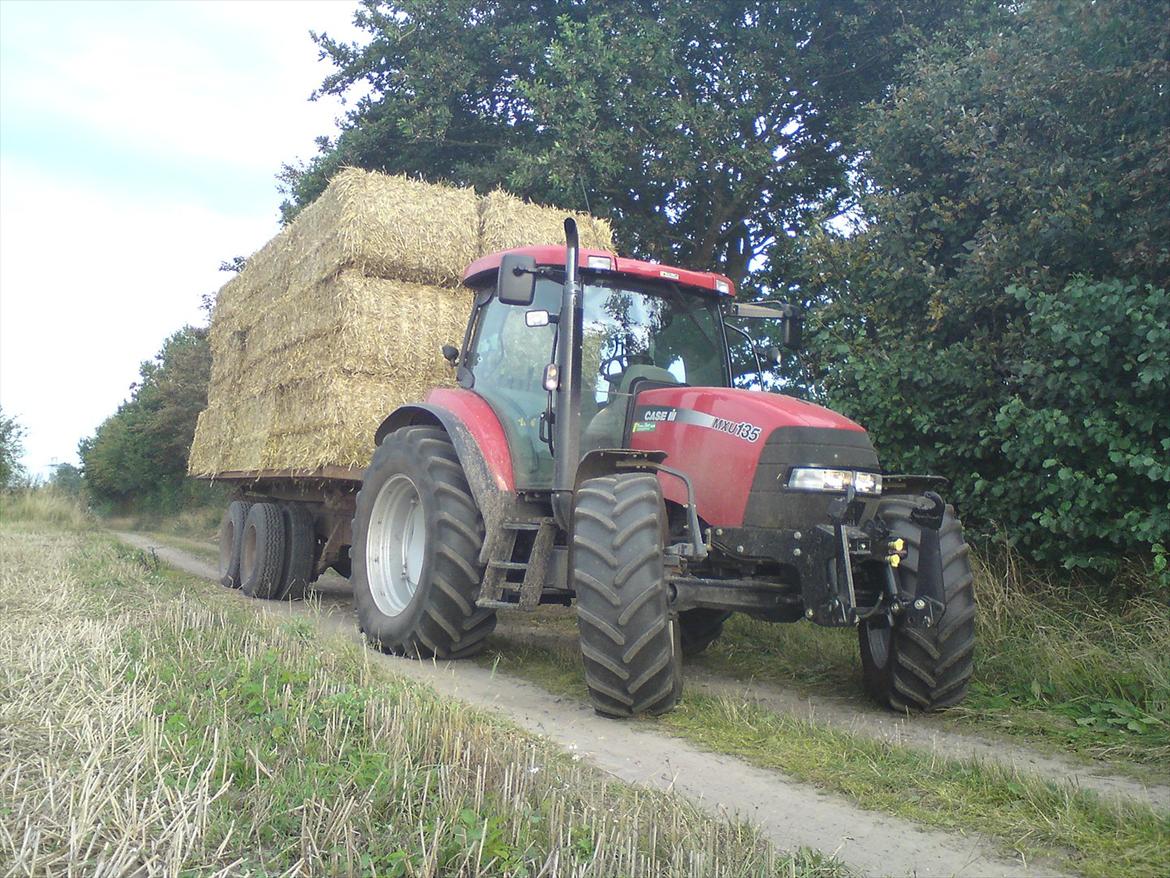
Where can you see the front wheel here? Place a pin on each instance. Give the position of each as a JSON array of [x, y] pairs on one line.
[[923, 669], [417, 535], [629, 642]]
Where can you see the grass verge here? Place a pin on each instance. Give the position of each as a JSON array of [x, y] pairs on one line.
[[1025, 814], [148, 725], [1052, 666]]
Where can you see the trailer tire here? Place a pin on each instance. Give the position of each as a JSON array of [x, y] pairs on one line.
[[699, 628], [923, 669], [300, 552], [417, 535], [629, 640], [231, 538], [262, 552]]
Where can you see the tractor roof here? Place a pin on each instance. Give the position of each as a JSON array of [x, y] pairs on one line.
[[603, 261]]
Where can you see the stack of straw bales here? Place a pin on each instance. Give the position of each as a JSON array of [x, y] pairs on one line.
[[340, 318]]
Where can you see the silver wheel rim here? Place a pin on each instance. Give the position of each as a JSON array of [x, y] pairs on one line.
[[395, 545], [879, 644]]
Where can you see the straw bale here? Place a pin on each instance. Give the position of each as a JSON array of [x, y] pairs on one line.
[[330, 422], [381, 225], [340, 318], [308, 384], [508, 222]]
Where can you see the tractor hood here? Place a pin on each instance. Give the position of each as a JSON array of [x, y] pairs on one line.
[[750, 408], [718, 436]]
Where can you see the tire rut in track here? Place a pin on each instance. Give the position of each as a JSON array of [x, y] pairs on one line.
[[790, 813]]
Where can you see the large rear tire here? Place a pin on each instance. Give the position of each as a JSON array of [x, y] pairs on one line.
[[629, 642], [262, 552], [417, 534], [231, 538], [923, 669]]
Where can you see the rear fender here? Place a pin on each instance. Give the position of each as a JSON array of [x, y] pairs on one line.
[[480, 445]]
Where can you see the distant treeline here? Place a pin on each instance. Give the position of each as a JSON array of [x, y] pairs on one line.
[[137, 458], [969, 199]]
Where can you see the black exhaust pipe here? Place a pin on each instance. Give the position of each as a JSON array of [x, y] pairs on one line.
[[567, 415]]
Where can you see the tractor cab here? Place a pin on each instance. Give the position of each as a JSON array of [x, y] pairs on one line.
[[638, 332]]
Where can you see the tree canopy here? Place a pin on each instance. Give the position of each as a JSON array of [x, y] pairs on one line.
[[707, 132], [970, 198], [1000, 316]]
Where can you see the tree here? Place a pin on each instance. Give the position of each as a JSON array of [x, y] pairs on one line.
[[707, 132], [67, 479], [1016, 182], [12, 471], [140, 452]]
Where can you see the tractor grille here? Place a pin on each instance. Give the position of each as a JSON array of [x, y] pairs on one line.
[[771, 505]]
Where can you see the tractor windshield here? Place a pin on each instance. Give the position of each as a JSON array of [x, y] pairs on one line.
[[629, 332]]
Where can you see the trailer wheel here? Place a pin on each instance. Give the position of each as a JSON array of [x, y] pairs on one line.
[[231, 538], [923, 669], [262, 552], [699, 628], [300, 552], [629, 642], [417, 534]]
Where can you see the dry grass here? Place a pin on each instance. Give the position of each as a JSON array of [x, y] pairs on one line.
[[148, 726], [48, 505]]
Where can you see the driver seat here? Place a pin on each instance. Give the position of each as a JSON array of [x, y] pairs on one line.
[[606, 428]]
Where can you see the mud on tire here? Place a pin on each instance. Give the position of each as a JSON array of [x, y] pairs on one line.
[[923, 669], [629, 642], [417, 535]]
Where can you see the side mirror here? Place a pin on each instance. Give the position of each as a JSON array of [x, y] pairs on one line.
[[450, 353], [772, 355], [517, 281], [791, 329]]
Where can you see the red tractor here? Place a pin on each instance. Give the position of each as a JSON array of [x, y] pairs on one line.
[[595, 451]]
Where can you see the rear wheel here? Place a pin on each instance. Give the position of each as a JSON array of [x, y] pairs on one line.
[[417, 535], [300, 552], [699, 628], [629, 642], [231, 538], [923, 669], [262, 552]]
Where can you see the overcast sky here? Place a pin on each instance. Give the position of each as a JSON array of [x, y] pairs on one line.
[[139, 144]]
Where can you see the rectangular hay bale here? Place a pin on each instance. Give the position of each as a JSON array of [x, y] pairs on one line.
[[340, 318], [509, 222]]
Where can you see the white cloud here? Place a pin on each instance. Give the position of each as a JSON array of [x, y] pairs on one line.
[[91, 284], [221, 82], [130, 134]]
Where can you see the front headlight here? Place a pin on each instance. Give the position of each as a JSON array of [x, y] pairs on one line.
[[808, 478]]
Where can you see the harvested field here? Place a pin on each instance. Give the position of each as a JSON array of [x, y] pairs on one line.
[[149, 726]]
